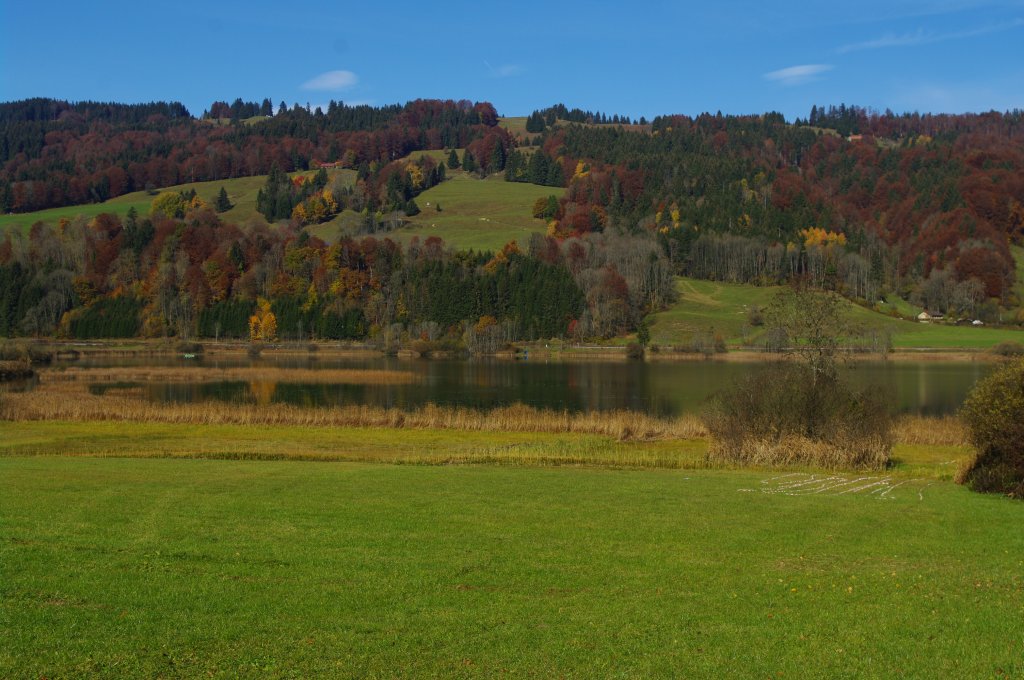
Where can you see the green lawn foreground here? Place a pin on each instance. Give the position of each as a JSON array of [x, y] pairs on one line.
[[187, 568]]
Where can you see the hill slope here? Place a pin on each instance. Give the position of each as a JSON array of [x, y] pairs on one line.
[[241, 192], [716, 307]]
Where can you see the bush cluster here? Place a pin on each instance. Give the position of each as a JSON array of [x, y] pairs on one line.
[[994, 414], [1008, 348], [785, 414]]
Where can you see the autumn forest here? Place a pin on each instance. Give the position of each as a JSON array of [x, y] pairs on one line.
[[871, 205]]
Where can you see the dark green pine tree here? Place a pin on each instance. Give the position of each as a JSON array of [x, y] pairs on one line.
[[453, 160], [497, 158], [468, 162], [222, 204]]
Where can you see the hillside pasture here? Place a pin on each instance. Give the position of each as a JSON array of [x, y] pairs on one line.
[[719, 307], [241, 192], [477, 214]]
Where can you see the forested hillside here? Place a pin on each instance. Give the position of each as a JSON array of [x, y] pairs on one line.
[[919, 207], [903, 204], [166, 275], [55, 153]]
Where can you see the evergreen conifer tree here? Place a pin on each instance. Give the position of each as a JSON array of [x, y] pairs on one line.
[[222, 204]]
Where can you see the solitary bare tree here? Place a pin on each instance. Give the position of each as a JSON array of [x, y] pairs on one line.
[[814, 327]]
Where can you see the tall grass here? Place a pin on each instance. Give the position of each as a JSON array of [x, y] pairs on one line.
[[15, 370], [72, 401], [203, 374], [867, 453], [941, 431]]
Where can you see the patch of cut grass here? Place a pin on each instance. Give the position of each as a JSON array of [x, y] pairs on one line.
[[708, 306], [477, 214], [256, 569], [387, 445]]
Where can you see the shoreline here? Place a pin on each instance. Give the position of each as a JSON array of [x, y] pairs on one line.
[[71, 351]]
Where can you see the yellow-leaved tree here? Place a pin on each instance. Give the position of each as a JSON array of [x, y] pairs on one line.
[[263, 324]]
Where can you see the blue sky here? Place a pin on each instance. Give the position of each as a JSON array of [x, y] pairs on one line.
[[645, 59]]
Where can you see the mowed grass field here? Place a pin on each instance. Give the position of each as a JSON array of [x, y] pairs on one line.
[[707, 306], [241, 192], [189, 568], [724, 308], [477, 214]]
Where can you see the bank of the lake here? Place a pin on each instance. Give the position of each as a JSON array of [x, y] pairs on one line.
[[583, 384]]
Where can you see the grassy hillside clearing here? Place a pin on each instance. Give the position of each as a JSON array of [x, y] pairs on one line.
[[188, 568], [706, 306], [241, 192], [478, 214]]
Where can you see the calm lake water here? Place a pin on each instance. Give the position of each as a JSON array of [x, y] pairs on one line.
[[659, 388]]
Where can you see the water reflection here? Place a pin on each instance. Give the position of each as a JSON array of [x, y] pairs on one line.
[[660, 388]]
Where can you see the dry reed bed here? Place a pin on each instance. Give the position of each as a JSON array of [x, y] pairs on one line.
[[940, 431], [71, 401], [615, 454], [203, 374], [15, 370], [872, 453]]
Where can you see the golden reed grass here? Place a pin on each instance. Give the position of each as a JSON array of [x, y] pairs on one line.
[[941, 431], [792, 450], [15, 370], [203, 374], [73, 401]]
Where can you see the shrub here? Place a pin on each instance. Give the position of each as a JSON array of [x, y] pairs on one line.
[[1008, 348], [994, 415], [634, 350], [784, 415], [189, 348], [25, 352]]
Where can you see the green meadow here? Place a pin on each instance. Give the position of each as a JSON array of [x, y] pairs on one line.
[[724, 308], [241, 192], [114, 567], [477, 214]]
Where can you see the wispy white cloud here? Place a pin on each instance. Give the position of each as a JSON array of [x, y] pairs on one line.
[[503, 71], [923, 37], [331, 81], [798, 75]]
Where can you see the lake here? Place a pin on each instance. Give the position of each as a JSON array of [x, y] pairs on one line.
[[662, 388]]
